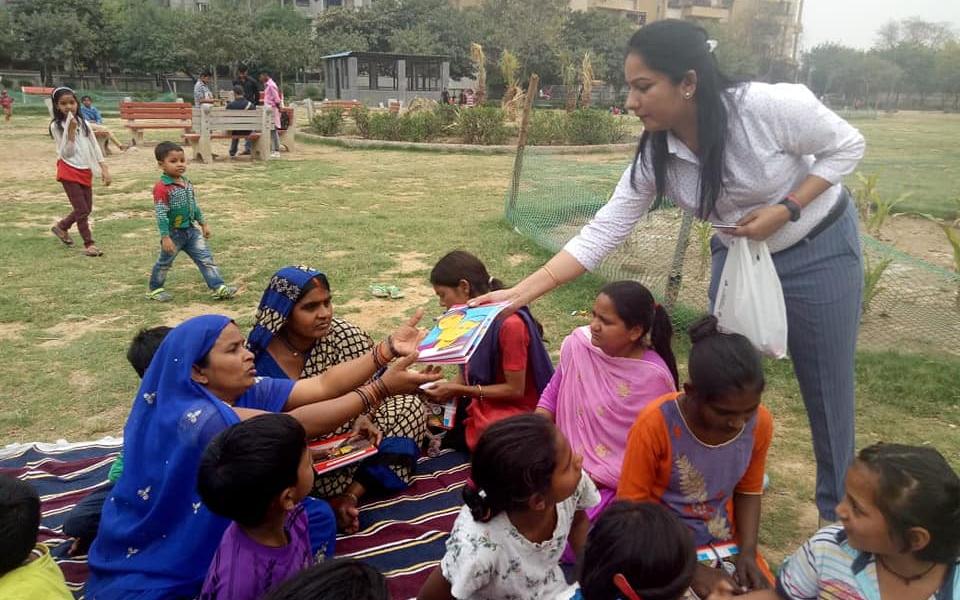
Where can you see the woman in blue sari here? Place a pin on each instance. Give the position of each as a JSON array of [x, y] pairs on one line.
[[296, 336], [156, 538]]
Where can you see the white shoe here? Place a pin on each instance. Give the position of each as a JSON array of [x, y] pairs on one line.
[[274, 155]]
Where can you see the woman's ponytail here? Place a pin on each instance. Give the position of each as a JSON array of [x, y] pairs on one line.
[[661, 338], [476, 500]]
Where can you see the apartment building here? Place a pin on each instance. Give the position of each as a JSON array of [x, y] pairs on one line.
[[310, 8]]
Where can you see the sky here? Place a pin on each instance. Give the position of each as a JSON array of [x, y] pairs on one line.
[[855, 22]]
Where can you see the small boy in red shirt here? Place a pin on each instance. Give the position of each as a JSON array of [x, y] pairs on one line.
[[6, 101]]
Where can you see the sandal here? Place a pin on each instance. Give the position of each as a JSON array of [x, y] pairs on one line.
[[378, 290], [92, 251], [62, 235], [395, 292]]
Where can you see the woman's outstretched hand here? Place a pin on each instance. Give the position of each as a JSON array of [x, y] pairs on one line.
[[366, 429], [762, 223], [406, 338], [401, 381], [511, 295]]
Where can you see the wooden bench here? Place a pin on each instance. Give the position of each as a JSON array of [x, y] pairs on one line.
[[215, 123], [140, 116]]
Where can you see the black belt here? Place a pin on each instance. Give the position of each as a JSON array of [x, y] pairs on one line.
[[835, 213]]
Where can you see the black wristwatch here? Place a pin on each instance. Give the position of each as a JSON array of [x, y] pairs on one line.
[[793, 206]]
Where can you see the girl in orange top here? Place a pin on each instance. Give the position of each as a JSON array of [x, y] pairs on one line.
[[701, 453]]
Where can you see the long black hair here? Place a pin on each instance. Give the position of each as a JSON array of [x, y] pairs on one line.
[[514, 459], [917, 488], [636, 306], [59, 116], [720, 363], [644, 542], [674, 48], [19, 521], [461, 265]]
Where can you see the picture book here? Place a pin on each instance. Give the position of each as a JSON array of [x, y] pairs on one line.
[[458, 333], [338, 451]]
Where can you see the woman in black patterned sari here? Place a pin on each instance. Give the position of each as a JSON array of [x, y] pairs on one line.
[[297, 336]]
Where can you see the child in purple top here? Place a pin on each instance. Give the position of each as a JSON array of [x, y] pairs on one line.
[[256, 473]]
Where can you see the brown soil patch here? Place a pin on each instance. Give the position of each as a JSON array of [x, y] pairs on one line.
[[336, 254], [179, 314], [372, 314], [920, 238], [67, 332], [80, 380], [409, 262], [11, 331], [515, 260]]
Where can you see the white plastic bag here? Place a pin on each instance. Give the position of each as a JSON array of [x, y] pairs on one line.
[[750, 299]]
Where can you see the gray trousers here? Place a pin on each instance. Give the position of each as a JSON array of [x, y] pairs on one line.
[[822, 282]]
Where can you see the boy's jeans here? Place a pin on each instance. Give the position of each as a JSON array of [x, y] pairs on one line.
[[190, 241], [247, 146]]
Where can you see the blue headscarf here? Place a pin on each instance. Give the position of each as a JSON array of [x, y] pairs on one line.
[[285, 288], [155, 536]]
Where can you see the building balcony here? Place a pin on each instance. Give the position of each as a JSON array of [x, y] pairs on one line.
[[707, 13], [616, 5]]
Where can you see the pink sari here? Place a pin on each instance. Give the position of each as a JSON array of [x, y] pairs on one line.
[[595, 398]]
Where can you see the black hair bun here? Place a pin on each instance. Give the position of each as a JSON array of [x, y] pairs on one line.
[[705, 327]]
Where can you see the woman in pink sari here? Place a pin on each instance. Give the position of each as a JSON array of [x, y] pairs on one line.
[[608, 372]]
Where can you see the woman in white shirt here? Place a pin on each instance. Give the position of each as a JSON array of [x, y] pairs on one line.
[[768, 158]]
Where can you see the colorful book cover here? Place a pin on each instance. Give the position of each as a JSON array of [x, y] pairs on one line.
[[458, 333], [338, 451]]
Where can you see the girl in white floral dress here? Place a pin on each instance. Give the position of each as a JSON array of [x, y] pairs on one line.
[[524, 501]]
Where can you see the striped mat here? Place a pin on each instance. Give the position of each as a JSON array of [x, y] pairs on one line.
[[403, 536]]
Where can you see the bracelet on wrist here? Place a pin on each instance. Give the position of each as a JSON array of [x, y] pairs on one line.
[[556, 280]]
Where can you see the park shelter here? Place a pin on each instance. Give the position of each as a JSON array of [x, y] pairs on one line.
[[376, 77]]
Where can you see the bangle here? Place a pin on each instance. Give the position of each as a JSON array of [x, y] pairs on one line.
[[382, 388], [480, 390], [364, 401], [378, 358], [556, 282]]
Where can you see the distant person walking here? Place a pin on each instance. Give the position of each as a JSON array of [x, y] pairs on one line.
[[274, 99], [6, 101]]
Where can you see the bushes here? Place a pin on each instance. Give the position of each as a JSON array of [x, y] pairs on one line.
[[484, 125], [420, 126], [448, 115], [328, 122], [580, 128], [384, 126], [313, 92], [361, 119], [547, 127], [588, 127]]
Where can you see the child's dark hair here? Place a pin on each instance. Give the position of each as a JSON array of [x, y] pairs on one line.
[[246, 467], [644, 542], [917, 488], [19, 522], [165, 148], [238, 92], [460, 264], [513, 460], [636, 306], [339, 579], [674, 47], [143, 346], [720, 363], [59, 116], [85, 97]]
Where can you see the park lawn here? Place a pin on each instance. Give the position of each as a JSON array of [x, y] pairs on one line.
[[915, 152], [363, 217]]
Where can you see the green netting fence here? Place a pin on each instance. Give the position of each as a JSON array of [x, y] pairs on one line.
[[914, 307]]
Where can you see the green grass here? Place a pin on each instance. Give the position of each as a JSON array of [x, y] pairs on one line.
[[915, 152], [363, 217]]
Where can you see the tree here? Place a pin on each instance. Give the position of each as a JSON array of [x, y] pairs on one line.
[[41, 36], [530, 28], [948, 71], [604, 35], [415, 40]]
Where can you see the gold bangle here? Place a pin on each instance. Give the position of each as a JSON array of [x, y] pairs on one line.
[[556, 282], [480, 390]]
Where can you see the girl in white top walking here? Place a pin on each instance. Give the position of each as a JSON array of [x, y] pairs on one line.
[[769, 159], [78, 160]]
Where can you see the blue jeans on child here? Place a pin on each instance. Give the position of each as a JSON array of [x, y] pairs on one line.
[[247, 146], [190, 241]]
